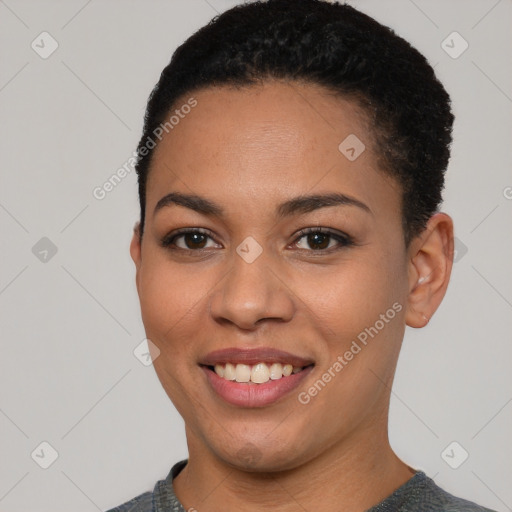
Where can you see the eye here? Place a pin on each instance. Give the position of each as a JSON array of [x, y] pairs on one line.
[[193, 239], [320, 239]]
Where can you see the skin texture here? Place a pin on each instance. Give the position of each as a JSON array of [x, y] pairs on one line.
[[249, 150]]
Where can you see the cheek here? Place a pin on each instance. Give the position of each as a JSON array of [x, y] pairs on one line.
[[360, 309], [170, 299], [354, 295], [168, 293]]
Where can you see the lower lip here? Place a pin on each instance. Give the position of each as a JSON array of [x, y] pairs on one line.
[[254, 395]]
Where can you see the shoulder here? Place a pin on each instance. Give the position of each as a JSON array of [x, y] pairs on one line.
[[161, 498], [142, 503], [437, 499], [422, 494]]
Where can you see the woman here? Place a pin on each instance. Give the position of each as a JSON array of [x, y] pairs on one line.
[[290, 176]]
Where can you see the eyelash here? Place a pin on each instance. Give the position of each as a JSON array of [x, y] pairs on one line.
[[344, 240]]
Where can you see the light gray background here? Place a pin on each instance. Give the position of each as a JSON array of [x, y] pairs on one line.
[[69, 325]]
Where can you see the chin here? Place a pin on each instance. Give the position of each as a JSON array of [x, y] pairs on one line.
[[252, 458]]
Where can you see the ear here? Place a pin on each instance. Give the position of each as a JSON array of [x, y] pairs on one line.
[[429, 269], [136, 252]]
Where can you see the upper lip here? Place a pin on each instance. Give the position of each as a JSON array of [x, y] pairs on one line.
[[250, 356]]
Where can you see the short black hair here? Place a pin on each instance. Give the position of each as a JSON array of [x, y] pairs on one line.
[[348, 53]]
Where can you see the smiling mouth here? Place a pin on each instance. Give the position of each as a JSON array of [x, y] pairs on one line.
[[259, 373]]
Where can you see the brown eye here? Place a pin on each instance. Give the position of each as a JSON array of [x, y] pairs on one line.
[[193, 240], [319, 239]]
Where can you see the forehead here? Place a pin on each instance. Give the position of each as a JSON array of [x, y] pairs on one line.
[[266, 142]]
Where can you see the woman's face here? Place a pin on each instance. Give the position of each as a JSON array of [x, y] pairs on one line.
[[249, 280]]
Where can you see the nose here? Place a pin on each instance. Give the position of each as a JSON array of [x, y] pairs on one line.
[[250, 293]]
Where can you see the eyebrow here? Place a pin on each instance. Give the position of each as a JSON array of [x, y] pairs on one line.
[[297, 205]]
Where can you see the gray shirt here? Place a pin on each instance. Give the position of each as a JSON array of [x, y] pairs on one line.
[[419, 494]]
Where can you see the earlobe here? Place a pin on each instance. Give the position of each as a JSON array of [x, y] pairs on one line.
[[430, 265]]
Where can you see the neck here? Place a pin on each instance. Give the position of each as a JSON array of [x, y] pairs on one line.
[[359, 472]]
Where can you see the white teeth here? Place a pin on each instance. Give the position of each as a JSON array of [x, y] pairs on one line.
[[219, 370], [276, 371], [287, 370], [243, 373], [258, 373], [229, 372]]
